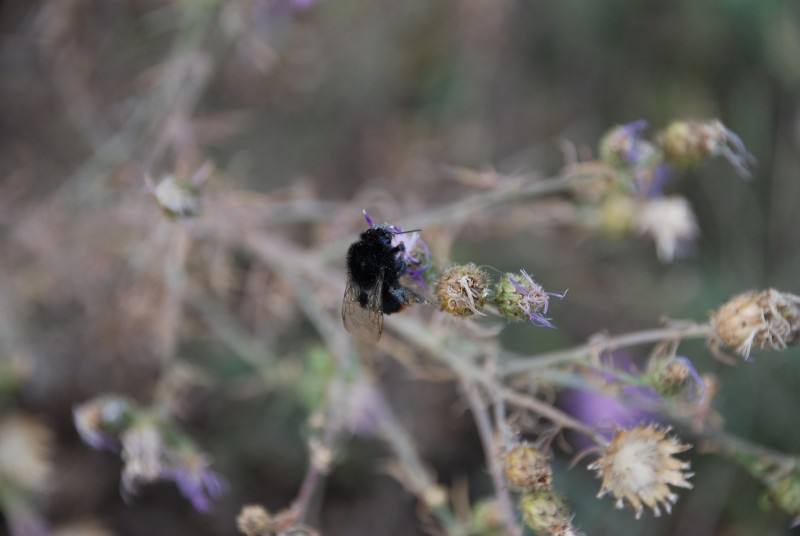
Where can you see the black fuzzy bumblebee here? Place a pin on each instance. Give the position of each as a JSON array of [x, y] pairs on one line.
[[374, 268]]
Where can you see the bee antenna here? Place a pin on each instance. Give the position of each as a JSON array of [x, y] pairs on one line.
[[410, 231]]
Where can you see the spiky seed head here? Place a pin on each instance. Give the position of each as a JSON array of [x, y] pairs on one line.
[[765, 319], [462, 290], [253, 520], [487, 518], [544, 511], [676, 375], [638, 467], [687, 143], [519, 297], [526, 468]]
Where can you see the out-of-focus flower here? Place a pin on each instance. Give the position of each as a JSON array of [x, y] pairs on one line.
[[623, 145], [462, 290], [670, 222], [616, 214], [253, 520], [151, 448], [142, 452], [526, 468], [22, 520], [606, 411], [544, 511], [415, 254], [179, 198], [686, 143], [518, 297], [638, 467], [25, 448], [676, 375], [195, 478], [768, 318], [487, 518], [361, 411], [100, 421]]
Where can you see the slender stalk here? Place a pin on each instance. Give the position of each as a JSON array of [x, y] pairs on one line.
[[600, 344], [492, 454]]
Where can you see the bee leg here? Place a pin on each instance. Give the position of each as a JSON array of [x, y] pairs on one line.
[[406, 296]]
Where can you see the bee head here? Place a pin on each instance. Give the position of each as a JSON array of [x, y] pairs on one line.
[[381, 234]]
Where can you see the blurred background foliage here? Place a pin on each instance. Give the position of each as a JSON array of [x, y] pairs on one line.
[[354, 104]]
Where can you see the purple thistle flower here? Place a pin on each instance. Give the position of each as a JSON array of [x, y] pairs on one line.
[[632, 134], [100, 420], [534, 300], [196, 481]]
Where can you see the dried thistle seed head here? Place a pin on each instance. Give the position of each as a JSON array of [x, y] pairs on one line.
[[462, 290], [766, 319], [527, 469], [519, 297], [544, 511], [638, 467], [687, 143], [671, 223], [675, 375], [253, 520]]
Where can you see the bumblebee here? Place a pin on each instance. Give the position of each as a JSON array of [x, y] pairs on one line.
[[374, 269]]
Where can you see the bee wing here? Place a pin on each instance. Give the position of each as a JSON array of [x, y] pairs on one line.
[[365, 323]]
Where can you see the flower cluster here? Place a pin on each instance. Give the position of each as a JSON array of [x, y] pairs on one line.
[[764, 319], [151, 447], [633, 202], [638, 467], [687, 143], [527, 470], [464, 290]]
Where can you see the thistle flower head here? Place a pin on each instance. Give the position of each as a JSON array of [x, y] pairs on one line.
[[544, 511], [675, 375], [487, 518], [638, 466], [623, 145], [415, 252], [518, 297], [758, 320], [25, 447], [253, 520], [462, 290], [142, 451], [195, 479], [686, 143], [670, 222], [526, 468], [100, 420]]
